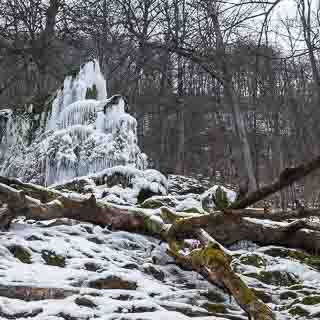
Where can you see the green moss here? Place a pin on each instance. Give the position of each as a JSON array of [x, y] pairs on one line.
[[253, 260], [276, 278], [53, 259], [92, 93], [221, 200], [215, 307], [20, 253], [298, 311], [192, 210], [311, 300], [152, 204], [152, 225], [312, 261], [168, 216], [210, 256], [296, 287], [288, 295]]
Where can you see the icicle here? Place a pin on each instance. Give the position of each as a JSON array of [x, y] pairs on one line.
[[80, 112]]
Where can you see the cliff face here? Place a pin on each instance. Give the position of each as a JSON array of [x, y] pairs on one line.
[[76, 132]]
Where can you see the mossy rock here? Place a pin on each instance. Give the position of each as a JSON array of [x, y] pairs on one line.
[[296, 287], [192, 210], [144, 194], [80, 185], [253, 260], [221, 199], [276, 278], [92, 93], [53, 259], [288, 295], [305, 258], [262, 295], [20, 253], [298, 311], [215, 307], [152, 204], [154, 271], [165, 201], [213, 296], [311, 300]]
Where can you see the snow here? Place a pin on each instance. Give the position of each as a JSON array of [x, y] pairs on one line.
[[121, 184], [190, 203], [119, 254]]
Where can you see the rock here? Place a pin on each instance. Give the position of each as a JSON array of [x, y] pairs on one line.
[[113, 282], [276, 278], [158, 201], [253, 260], [85, 302], [303, 257], [299, 311], [213, 296], [190, 205], [217, 197], [91, 266], [154, 271], [80, 185], [144, 194], [288, 295], [311, 300], [181, 185]]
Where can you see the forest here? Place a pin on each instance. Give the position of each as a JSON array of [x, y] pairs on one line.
[[187, 68], [159, 159]]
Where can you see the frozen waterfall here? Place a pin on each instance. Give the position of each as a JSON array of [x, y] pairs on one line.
[[83, 134]]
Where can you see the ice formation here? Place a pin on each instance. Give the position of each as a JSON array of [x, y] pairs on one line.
[[76, 89], [83, 133]]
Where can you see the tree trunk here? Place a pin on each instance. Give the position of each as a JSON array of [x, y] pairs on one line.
[[233, 100]]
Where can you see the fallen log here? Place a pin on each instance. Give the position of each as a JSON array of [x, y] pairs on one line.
[[287, 177], [298, 234], [275, 215], [211, 260]]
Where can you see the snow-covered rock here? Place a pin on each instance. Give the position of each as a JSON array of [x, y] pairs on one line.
[[181, 185], [217, 193], [120, 184]]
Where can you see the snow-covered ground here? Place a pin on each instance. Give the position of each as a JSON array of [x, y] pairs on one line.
[[64, 269]]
